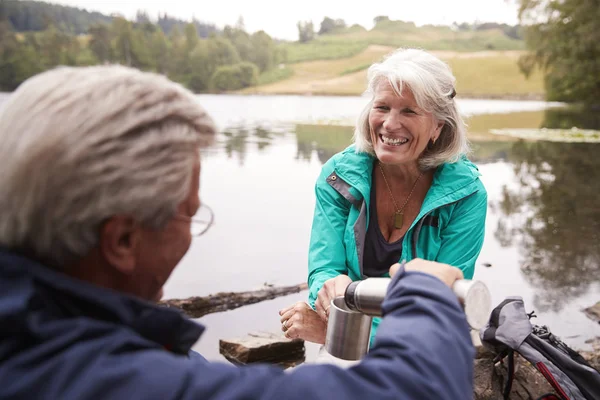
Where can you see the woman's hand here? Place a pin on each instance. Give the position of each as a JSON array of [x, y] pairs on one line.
[[300, 321], [332, 288]]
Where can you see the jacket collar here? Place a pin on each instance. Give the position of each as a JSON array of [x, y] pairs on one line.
[[451, 181], [30, 289]]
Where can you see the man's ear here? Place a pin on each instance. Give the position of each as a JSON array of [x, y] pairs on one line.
[[119, 239]]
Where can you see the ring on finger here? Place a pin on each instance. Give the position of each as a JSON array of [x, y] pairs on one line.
[[285, 327]]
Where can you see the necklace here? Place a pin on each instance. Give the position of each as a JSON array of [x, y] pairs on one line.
[[399, 214]]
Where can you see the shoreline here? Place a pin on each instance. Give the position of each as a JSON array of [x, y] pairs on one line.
[[469, 96]]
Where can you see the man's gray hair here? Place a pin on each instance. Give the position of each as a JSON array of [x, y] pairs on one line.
[[79, 145], [433, 86]]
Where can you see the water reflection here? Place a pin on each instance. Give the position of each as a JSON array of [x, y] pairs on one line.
[[568, 117], [551, 213], [236, 139]]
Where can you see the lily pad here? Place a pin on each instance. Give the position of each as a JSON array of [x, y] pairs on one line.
[[553, 135]]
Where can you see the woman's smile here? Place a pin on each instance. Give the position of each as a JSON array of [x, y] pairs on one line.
[[392, 141]]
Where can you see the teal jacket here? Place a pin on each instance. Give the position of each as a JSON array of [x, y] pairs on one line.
[[449, 228]]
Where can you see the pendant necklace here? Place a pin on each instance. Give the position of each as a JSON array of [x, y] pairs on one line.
[[399, 214]]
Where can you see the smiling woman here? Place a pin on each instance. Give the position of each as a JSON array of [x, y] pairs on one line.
[[404, 190]]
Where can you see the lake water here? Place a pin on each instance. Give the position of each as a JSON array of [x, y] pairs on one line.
[[542, 229]]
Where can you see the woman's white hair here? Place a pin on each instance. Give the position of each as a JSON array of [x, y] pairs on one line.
[[79, 145], [431, 82]]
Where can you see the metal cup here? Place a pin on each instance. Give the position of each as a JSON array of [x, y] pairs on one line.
[[348, 332]]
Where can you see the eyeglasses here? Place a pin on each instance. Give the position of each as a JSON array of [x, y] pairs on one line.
[[200, 222]]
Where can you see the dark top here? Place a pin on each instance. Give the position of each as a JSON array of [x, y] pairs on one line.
[[379, 254]]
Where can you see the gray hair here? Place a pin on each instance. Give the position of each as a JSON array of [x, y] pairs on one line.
[[79, 145], [432, 83]]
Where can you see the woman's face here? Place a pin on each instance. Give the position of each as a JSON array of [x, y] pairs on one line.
[[400, 130]]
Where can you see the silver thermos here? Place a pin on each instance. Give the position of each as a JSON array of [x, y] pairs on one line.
[[350, 317]]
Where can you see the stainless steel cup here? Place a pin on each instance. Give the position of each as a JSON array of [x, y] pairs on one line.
[[348, 332]]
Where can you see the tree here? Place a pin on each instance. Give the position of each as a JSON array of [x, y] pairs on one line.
[[264, 55], [159, 51], [241, 41], [142, 17], [191, 37], [306, 31], [563, 38], [380, 18], [234, 77], [129, 44], [222, 51], [100, 42], [329, 25]]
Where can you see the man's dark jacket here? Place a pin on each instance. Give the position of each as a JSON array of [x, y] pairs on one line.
[[61, 338]]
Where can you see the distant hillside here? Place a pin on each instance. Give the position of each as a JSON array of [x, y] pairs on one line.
[[26, 16], [350, 41], [479, 74]]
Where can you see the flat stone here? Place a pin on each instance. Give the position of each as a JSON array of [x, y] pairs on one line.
[[593, 312], [267, 347]]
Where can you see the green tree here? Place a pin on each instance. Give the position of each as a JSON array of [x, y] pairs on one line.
[[159, 51], [100, 42], [306, 31], [18, 59], [241, 41], [191, 38], [222, 51], [202, 68], [177, 64], [234, 77], [265, 54], [565, 45], [329, 25], [129, 44]]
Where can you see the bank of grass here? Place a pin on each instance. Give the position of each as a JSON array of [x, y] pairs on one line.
[[325, 76], [489, 74], [479, 126], [275, 75], [322, 50], [495, 75], [357, 68]]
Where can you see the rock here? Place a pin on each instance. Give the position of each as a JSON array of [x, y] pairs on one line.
[[490, 379], [273, 348], [528, 383], [593, 357], [593, 312]]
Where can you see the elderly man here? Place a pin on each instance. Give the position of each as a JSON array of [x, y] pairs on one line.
[[98, 190]]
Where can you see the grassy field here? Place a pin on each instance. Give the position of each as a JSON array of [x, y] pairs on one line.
[[484, 61], [351, 41], [325, 76], [485, 74]]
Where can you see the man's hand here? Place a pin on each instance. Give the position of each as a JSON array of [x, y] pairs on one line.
[[444, 272]]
